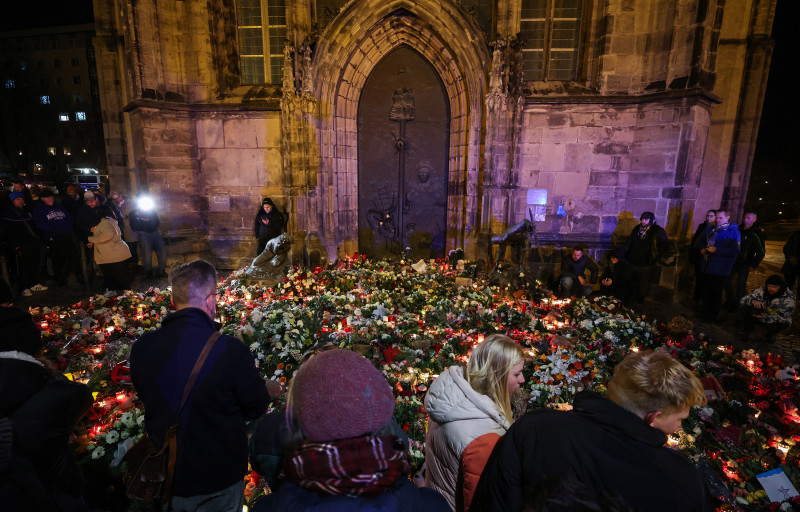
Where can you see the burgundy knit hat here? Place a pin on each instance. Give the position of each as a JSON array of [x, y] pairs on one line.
[[338, 394]]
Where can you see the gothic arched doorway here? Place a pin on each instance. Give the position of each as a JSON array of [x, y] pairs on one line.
[[403, 134]]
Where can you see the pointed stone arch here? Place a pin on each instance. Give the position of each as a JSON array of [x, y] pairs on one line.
[[346, 54]]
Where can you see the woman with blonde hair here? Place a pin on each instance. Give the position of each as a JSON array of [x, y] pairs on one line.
[[469, 410]]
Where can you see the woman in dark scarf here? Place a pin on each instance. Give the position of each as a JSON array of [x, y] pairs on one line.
[[268, 223]]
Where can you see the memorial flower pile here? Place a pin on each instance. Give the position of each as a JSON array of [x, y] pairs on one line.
[[413, 320]]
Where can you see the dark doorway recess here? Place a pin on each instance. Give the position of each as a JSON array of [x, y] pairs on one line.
[[403, 136]]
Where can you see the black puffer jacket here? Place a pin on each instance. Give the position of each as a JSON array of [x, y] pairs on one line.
[[43, 409]]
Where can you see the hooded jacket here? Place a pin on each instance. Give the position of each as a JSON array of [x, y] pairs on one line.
[[464, 427], [108, 244], [780, 307]]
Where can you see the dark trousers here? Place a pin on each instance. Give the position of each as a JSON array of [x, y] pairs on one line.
[[736, 287], [115, 276], [643, 276], [28, 265], [758, 331], [65, 256], [698, 280], [790, 273], [712, 295]]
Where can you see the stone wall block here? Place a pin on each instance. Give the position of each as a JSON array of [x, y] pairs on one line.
[[578, 157], [596, 193], [650, 163], [571, 184], [672, 192], [552, 157], [564, 135], [244, 133], [601, 162], [651, 179], [592, 134], [210, 133], [643, 193], [604, 179]]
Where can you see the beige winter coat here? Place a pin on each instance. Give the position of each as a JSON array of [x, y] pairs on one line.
[[461, 421], [108, 244]]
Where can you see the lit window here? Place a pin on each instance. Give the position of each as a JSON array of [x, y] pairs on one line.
[[80, 116], [44, 100], [551, 31], [67, 150], [52, 150], [10, 84], [63, 116], [262, 34]]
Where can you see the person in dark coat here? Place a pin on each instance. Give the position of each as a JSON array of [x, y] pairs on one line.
[[73, 199], [25, 242], [614, 445], [791, 267], [269, 223], [573, 280], [212, 458], [40, 408], [57, 228], [647, 244], [719, 247], [340, 411], [144, 220], [751, 252], [618, 279], [88, 215], [695, 257]]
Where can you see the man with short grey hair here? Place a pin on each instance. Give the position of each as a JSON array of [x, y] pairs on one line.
[[212, 440]]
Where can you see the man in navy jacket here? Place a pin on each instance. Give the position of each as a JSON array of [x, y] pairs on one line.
[[719, 248], [212, 440]]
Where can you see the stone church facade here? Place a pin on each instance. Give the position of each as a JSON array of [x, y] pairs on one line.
[[429, 124]]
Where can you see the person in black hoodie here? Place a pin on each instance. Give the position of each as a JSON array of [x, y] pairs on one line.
[[617, 279], [647, 244], [24, 240], [613, 445], [751, 252], [38, 411], [269, 223], [696, 258]]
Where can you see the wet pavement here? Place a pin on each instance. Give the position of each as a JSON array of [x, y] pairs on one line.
[[724, 332]]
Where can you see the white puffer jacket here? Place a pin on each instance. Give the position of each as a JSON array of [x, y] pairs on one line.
[[458, 415]]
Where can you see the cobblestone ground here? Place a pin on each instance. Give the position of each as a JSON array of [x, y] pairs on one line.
[[725, 332]]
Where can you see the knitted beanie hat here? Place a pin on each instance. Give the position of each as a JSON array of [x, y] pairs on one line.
[[15, 195], [776, 279], [338, 394], [268, 201]]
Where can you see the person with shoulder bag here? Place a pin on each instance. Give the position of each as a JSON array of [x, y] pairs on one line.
[[210, 423]]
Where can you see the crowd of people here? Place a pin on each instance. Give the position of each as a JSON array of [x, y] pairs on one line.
[[42, 238], [722, 255]]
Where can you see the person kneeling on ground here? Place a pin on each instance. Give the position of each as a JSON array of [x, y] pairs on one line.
[[344, 452], [614, 446], [768, 310], [573, 269], [618, 279]]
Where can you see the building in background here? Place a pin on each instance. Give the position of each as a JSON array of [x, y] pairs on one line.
[[49, 103], [431, 124]]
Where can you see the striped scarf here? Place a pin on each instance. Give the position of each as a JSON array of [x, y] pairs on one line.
[[361, 466]]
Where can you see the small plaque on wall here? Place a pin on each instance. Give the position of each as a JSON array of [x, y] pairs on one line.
[[219, 204]]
